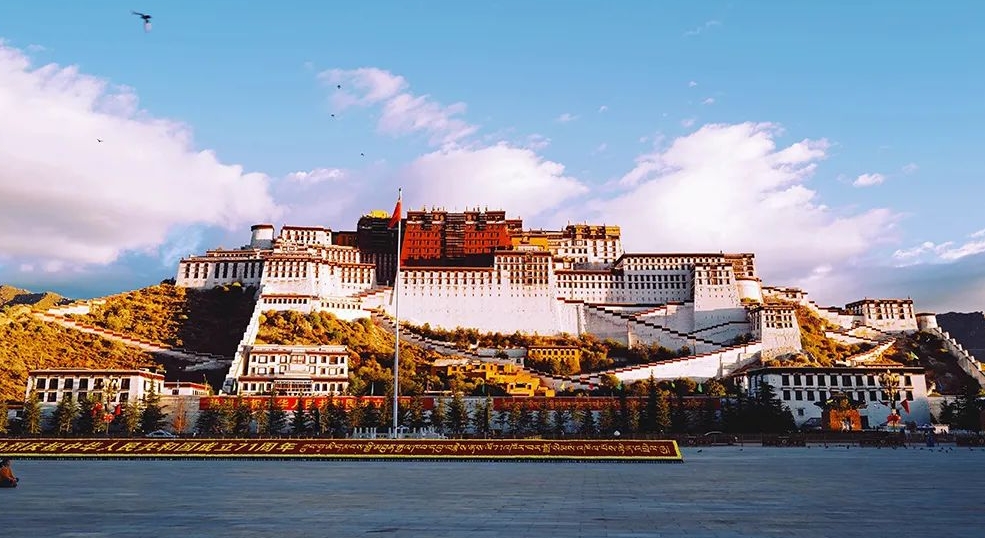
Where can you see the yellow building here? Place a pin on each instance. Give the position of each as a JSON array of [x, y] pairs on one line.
[[569, 356], [513, 379]]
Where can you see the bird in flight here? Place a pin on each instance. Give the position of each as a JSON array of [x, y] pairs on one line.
[[333, 115], [339, 86], [146, 19], [100, 140], [362, 154]]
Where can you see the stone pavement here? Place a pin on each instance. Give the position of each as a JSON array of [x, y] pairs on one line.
[[717, 492]]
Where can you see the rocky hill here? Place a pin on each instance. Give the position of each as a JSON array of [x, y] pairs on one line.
[[11, 296], [968, 328]]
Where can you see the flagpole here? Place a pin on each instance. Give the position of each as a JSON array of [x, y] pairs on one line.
[[396, 318]]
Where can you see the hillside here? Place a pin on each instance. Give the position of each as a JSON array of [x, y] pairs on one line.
[[926, 350], [968, 328], [813, 340], [11, 296], [27, 343], [204, 321], [370, 348]]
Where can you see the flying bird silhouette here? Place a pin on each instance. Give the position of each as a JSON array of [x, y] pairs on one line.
[[146, 19], [362, 154], [339, 86], [100, 140]]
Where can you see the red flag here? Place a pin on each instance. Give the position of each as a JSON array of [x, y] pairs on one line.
[[906, 405], [118, 409], [397, 213]]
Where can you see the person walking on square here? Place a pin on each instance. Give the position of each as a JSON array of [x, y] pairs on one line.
[[7, 478]]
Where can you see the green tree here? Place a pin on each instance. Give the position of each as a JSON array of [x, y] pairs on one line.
[[483, 418], [300, 418], [276, 417], [32, 414], [207, 423], [242, 417], [968, 408], [132, 416], [542, 418], [65, 415], [458, 415], [648, 423], [515, 419], [437, 418], [317, 424], [415, 413], [662, 420], [609, 421], [153, 417], [714, 387], [586, 422], [560, 422], [86, 423]]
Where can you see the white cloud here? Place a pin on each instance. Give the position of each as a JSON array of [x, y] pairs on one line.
[[501, 176], [67, 199], [706, 26], [317, 175], [708, 101], [730, 187], [868, 180], [566, 117], [949, 251], [603, 108], [910, 168], [402, 112], [688, 122], [537, 141], [692, 84]]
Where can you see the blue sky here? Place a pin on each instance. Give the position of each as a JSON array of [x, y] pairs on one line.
[[893, 92]]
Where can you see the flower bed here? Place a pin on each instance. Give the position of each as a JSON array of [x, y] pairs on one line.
[[343, 449]]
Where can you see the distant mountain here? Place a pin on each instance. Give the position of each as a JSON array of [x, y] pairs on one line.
[[968, 328], [11, 296]]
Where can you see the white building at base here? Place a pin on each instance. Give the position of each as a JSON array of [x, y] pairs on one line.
[[801, 389]]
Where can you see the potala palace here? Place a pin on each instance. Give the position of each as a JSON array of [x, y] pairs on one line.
[[479, 269]]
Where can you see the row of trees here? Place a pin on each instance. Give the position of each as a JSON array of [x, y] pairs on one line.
[[89, 417], [652, 408]]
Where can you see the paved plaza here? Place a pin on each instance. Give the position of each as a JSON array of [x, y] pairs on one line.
[[717, 492]]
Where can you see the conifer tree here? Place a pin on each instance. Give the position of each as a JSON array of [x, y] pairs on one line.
[[662, 420], [586, 423], [242, 417], [207, 422], [458, 415], [483, 418], [317, 425], [515, 419], [299, 419], [65, 415], [438, 415], [560, 422], [32, 414], [86, 423], [648, 422], [132, 415], [542, 419], [415, 413], [276, 417], [153, 417]]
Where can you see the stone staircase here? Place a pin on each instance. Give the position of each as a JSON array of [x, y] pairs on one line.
[[631, 318]]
